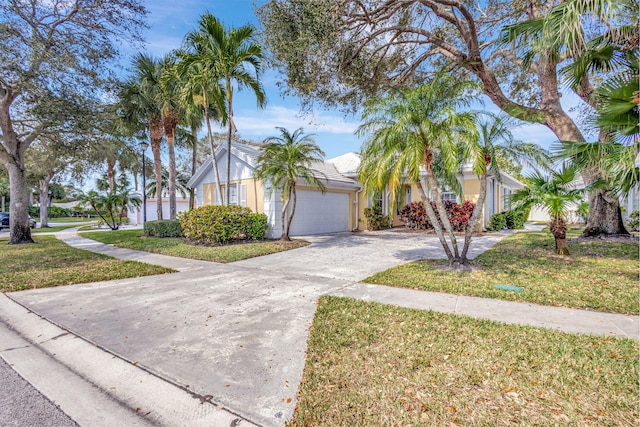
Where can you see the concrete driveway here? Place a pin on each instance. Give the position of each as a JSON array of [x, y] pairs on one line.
[[234, 335], [356, 256]]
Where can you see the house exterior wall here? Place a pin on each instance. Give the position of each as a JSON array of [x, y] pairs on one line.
[[136, 216]]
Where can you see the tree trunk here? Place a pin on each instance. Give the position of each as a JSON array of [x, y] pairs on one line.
[[3, 202], [605, 215], [155, 130], [18, 206], [213, 153], [43, 187], [440, 206], [475, 216], [293, 209], [434, 220], [12, 157], [170, 121], [558, 228], [111, 178]]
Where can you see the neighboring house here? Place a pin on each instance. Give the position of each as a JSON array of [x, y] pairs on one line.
[[340, 208], [315, 212], [136, 214]]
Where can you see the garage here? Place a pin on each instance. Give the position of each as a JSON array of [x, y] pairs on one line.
[[318, 213]]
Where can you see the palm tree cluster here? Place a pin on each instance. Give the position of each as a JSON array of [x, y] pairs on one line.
[[189, 87], [424, 130]]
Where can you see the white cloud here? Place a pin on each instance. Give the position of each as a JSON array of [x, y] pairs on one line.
[[263, 122]]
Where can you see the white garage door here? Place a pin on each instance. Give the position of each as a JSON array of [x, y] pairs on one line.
[[320, 213]]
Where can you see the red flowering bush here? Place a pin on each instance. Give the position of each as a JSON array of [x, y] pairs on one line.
[[415, 215]]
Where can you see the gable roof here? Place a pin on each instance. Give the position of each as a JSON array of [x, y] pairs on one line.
[[326, 171]]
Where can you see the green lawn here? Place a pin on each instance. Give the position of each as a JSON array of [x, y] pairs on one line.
[[49, 262], [73, 219], [52, 229], [599, 275], [370, 364], [134, 239]]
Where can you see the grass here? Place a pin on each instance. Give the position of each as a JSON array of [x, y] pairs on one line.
[[599, 275], [134, 239], [72, 219], [372, 364], [50, 262], [51, 229]]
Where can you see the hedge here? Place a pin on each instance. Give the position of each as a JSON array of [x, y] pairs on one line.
[[222, 224], [163, 228], [52, 212]]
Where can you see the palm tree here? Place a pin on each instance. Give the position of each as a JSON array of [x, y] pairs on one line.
[[201, 85], [237, 58], [594, 38], [181, 184], [171, 110], [139, 108], [111, 205], [495, 142], [555, 193], [285, 160], [417, 130]]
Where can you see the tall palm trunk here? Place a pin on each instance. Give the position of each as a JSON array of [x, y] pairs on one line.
[[293, 209], [212, 147], [475, 216], [285, 228], [194, 164], [155, 131], [229, 134], [170, 121]]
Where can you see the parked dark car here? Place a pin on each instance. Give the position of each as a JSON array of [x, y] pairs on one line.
[[4, 221]]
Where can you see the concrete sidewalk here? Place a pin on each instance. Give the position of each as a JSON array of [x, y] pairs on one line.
[[230, 337]]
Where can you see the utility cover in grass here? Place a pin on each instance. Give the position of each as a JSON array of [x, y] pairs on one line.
[[509, 288]]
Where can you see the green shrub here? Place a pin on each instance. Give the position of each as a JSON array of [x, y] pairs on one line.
[[634, 221], [163, 228], [497, 222], [222, 224], [256, 226], [52, 212], [375, 219], [515, 219]]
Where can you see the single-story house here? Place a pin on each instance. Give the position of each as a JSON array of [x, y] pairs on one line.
[[136, 215], [340, 208]]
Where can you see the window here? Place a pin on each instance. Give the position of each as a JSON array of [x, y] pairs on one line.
[[506, 194], [377, 200], [449, 195], [233, 194]]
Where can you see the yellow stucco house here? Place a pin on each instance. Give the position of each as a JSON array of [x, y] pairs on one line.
[[340, 208]]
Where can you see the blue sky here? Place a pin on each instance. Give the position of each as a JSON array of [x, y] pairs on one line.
[[169, 22]]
